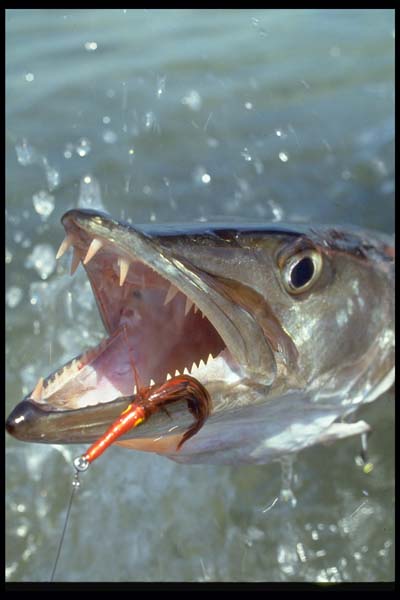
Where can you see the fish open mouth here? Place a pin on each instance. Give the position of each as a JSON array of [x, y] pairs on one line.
[[156, 330]]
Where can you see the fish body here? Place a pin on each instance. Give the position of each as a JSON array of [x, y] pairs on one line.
[[289, 328]]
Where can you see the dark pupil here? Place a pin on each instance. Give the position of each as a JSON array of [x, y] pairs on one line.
[[302, 272]]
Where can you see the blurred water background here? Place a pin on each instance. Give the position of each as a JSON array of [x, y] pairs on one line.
[[181, 115]]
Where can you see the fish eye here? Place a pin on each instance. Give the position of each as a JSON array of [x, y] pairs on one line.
[[301, 271]]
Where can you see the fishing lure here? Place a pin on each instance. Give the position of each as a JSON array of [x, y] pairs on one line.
[[148, 401]]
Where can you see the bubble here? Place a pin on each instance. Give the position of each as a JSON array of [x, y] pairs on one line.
[[29, 77], [248, 105], [283, 156], [43, 203], [106, 120], [13, 296]]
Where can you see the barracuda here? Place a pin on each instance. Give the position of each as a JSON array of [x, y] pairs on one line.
[[289, 328]]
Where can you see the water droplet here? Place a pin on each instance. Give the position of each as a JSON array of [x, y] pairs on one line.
[[212, 142], [43, 203], [150, 121], [42, 259], [246, 155], [161, 85], [53, 177], [248, 105], [90, 193], [192, 100], [277, 210], [147, 190], [13, 296], [283, 156], [26, 154], [83, 147], [90, 46], [9, 256], [22, 530], [109, 136], [29, 77], [200, 176], [106, 120]]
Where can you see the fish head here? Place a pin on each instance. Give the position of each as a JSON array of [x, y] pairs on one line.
[[276, 322]]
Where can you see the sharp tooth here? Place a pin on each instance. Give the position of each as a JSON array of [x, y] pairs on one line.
[[188, 305], [37, 392], [172, 292], [76, 259], [152, 382], [135, 389], [201, 363], [94, 247], [65, 244], [123, 270], [185, 371], [168, 376], [194, 366], [210, 357], [202, 315], [177, 373], [195, 309]]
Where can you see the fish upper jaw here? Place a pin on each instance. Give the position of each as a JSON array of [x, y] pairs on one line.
[[163, 315]]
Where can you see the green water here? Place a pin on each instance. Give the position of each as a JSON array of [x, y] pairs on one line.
[[178, 115]]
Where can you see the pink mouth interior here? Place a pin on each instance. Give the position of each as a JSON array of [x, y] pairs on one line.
[[148, 338]]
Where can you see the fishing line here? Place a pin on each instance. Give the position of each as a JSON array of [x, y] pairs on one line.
[[75, 486]]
